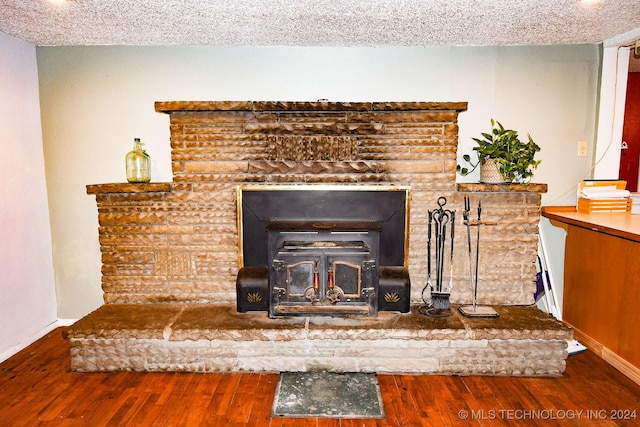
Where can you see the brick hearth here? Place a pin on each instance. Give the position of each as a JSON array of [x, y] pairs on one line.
[[209, 338]]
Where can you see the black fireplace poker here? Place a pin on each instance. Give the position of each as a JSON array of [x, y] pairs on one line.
[[438, 305]]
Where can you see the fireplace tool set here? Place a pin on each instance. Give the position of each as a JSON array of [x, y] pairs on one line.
[[437, 302], [438, 305], [474, 310]]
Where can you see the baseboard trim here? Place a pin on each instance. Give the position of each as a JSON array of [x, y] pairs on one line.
[[66, 322], [622, 365], [5, 355]]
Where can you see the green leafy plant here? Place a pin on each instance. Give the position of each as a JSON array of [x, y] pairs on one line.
[[515, 158]]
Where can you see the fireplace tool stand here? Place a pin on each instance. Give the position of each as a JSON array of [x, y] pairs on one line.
[[475, 310], [439, 305]]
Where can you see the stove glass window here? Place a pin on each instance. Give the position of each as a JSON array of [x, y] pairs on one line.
[[300, 277], [347, 277]]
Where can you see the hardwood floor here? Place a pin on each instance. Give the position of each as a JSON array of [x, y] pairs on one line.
[[38, 389]]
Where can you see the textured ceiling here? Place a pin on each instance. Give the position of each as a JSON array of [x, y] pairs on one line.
[[317, 22]]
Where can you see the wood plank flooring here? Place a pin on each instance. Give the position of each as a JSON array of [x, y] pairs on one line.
[[37, 388]]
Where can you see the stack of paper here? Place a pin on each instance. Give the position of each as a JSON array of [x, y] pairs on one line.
[[603, 192]]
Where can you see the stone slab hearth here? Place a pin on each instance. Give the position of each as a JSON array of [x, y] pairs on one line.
[[523, 341]]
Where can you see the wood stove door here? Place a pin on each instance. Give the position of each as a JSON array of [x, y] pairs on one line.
[[304, 283], [295, 279], [352, 276]]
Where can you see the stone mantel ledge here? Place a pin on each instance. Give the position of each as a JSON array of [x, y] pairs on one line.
[[125, 187], [501, 188], [184, 106], [165, 187]]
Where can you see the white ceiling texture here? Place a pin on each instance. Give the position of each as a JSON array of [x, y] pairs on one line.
[[317, 22]]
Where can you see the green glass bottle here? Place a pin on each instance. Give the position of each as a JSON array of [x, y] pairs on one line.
[[138, 163]]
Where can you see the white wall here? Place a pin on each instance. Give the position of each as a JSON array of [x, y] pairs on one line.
[[27, 296], [95, 100]]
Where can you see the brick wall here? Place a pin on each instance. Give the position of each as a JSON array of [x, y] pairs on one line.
[[178, 241]]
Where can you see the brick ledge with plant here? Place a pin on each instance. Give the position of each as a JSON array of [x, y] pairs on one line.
[[515, 158]]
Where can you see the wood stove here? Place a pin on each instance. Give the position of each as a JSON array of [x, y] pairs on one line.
[[323, 267], [323, 250]]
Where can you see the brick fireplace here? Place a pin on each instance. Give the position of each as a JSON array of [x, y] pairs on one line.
[[178, 241], [171, 251]]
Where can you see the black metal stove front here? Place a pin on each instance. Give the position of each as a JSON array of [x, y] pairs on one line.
[[323, 268], [318, 250]]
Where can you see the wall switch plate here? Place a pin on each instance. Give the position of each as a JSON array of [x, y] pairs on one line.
[[583, 148]]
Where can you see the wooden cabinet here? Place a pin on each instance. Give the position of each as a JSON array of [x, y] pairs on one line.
[[602, 284]]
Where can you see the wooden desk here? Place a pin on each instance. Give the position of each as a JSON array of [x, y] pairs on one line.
[[602, 283]]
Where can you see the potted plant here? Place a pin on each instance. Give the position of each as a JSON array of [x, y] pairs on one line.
[[512, 159]]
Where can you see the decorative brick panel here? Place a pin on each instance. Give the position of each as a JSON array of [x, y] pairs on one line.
[[178, 241]]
